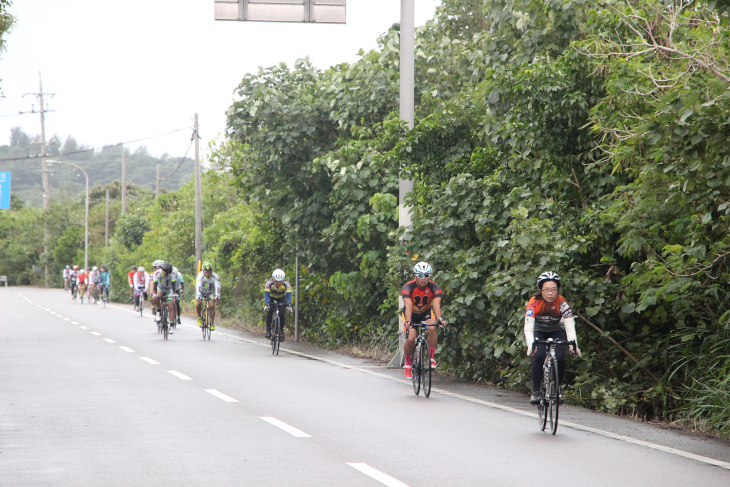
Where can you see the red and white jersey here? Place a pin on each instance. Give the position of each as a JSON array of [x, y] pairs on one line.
[[141, 281]]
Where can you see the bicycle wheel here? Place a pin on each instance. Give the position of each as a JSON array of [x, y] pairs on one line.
[[416, 368], [554, 397], [542, 406], [204, 319], [426, 368], [165, 324]]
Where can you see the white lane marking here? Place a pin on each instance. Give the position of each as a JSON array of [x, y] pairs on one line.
[[74, 322], [607, 434], [52, 312], [109, 340], [126, 349], [149, 360], [95, 333], [381, 477], [179, 375], [289, 429], [220, 395], [83, 327], [122, 309], [67, 319]]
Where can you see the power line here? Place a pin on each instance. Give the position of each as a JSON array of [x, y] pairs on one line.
[[93, 149]]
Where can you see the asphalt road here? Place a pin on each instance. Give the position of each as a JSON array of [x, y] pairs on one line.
[[95, 397]]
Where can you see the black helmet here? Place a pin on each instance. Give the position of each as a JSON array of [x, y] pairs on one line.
[[167, 268]]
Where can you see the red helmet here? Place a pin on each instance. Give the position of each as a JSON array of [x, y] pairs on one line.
[[76, 267]]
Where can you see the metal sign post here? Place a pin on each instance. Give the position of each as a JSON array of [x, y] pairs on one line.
[[4, 190]]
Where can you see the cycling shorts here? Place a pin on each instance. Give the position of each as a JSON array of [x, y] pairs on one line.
[[419, 318]]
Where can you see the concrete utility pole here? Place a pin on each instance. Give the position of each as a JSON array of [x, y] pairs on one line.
[[198, 198], [106, 227], [407, 114], [124, 181], [44, 169], [157, 184]]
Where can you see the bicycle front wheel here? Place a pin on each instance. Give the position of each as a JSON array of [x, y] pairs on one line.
[[416, 368], [554, 397], [426, 368], [165, 324], [274, 333]]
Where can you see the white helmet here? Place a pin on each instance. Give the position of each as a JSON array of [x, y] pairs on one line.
[[548, 276], [94, 268], [140, 269], [278, 275], [158, 263], [422, 268]]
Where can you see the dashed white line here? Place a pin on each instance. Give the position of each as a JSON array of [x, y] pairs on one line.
[[74, 322], [126, 349], [95, 333], [149, 360], [67, 319], [381, 477], [220, 395], [283, 426], [179, 375], [83, 327], [109, 340]]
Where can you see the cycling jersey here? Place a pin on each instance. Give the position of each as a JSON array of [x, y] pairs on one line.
[[95, 277], [422, 299], [141, 280], [130, 277], [82, 279], [104, 277], [277, 293], [548, 316], [205, 286], [165, 284]]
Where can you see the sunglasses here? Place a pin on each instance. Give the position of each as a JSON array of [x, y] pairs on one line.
[[423, 275]]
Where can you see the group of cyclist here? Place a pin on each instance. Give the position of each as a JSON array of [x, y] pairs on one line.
[[82, 281], [548, 314]]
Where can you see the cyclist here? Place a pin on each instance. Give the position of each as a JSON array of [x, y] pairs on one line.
[[82, 281], [277, 291], [206, 284], [104, 282], [422, 302], [156, 269], [72, 279], [141, 281], [66, 276], [548, 315], [181, 283], [94, 280], [164, 287], [130, 278]]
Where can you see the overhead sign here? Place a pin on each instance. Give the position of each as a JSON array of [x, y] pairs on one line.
[[4, 190], [317, 11]]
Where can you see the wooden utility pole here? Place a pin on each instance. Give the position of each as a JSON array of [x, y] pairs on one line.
[[198, 198], [106, 230], [157, 185], [124, 181]]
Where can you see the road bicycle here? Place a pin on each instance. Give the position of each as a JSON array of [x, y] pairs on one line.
[[275, 329], [139, 302], [421, 369], [95, 294], [82, 292], [205, 317], [104, 294], [549, 403], [74, 291], [164, 324]]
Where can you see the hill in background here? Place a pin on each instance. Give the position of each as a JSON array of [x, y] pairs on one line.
[[103, 167]]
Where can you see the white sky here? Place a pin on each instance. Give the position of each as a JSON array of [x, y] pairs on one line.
[[126, 70]]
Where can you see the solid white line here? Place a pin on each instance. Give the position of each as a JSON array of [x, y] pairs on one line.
[[381, 477], [149, 360], [281, 425], [126, 349], [607, 434], [220, 395], [74, 322], [179, 375], [109, 340], [95, 333], [83, 327]]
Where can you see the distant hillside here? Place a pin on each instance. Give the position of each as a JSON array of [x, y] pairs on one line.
[[103, 166]]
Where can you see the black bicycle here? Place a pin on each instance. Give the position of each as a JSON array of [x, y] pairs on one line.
[[275, 329], [549, 403], [205, 318], [164, 325], [421, 360], [95, 294], [139, 302], [104, 294]]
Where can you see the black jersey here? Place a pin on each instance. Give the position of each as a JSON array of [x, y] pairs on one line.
[[422, 298]]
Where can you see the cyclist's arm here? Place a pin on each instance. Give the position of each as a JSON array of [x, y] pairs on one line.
[[288, 294], [408, 312], [529, 333], [437, 308], [571, 334], [217, 286]]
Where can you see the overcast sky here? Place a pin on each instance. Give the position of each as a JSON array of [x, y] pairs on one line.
[[126, 70]]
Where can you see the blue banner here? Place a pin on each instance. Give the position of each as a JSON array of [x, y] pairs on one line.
[[4, 190]]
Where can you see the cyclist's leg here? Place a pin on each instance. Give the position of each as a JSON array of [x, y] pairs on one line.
[[560, 353], [282, 320], [211, 310], [538, 359], [269, 314]]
